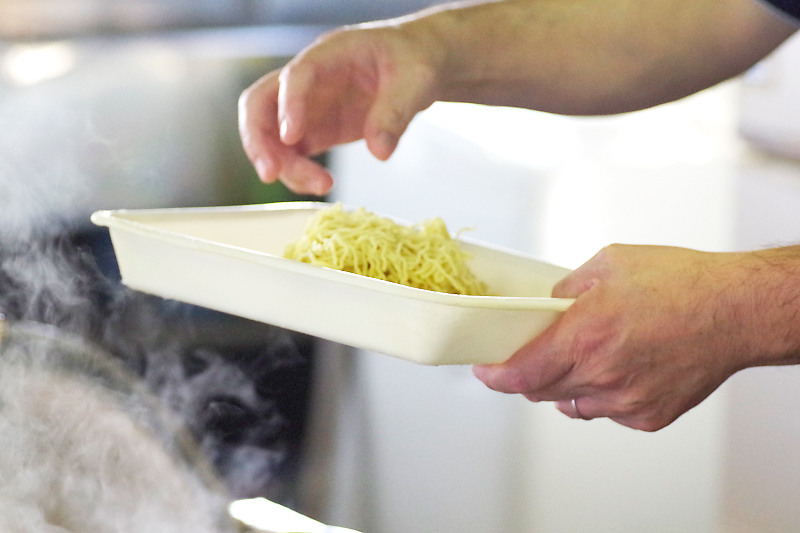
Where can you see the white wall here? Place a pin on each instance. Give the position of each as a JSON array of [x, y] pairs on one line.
[[762, 477]]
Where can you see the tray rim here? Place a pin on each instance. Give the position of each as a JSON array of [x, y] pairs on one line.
[[113, 220]]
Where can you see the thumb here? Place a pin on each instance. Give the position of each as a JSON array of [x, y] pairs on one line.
[[398, 100]]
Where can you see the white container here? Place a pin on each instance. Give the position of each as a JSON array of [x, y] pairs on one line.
[[230, 259]]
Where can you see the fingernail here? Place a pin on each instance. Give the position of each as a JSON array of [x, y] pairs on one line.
[[284, 128], [388, 142], [262, 169], [481, 371], [321, 189]]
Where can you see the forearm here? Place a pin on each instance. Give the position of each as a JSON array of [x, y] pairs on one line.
[[763, 309], [593, 56], [562, 56]]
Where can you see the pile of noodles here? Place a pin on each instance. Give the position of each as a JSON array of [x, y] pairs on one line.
[[422, 256]]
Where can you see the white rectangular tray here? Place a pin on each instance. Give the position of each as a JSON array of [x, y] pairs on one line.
[[230, 259]]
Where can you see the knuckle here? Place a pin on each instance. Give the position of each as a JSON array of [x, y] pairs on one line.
[[395, 119], [648, 425], [334, 34], [300, 72], [323, 46], [637, 414], [628, 403], [588, 342], [561, 288], [425, 75], [290, 70], [533, 397], [244, 98], [609, 254]]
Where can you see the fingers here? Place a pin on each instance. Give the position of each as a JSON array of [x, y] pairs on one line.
[[261, 139], [317, 75], [296, 81], [258, 127], [574, 284], [573, 410], [351, 84], [538, 369], [582, 278], [303, 176], [400, 97], [591, 408]]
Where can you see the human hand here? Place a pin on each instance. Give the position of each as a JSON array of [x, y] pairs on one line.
[[368, 81], [653, 331], [365, 81]]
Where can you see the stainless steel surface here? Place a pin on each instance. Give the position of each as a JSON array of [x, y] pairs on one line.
[[264, 515], [147, 121], [64, 18], [25, 18]]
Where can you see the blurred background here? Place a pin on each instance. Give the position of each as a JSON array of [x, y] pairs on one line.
[[111, 104]]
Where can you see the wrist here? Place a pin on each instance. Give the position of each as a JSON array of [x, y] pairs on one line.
[[475, 48], [764, 307]]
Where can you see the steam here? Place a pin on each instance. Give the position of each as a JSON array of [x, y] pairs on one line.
[[84, 446], [41, 182], [76, 459], [84, 442], [105, 125], [222, 405], [44, 279]]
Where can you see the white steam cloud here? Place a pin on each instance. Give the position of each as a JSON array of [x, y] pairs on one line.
[[80, 450]]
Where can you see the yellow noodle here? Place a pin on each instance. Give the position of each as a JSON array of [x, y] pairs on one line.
[[422, 256]]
